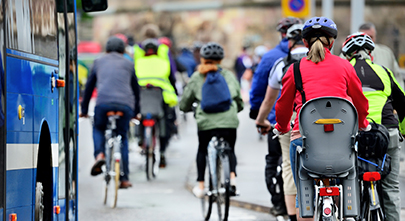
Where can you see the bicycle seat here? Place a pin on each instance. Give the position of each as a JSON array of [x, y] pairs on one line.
[[112, 113], [328, 126]]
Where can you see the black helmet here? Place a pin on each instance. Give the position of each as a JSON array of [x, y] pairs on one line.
[[115, 44], [319, 26], [286, 23], [373, 143], [150, 46], [356, 42], [212, 51]]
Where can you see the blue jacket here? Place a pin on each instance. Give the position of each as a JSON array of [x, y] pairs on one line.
[[261, 76]]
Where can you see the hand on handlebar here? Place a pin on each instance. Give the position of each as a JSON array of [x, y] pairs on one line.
[[263, 127]]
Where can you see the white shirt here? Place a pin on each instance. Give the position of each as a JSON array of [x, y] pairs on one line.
[[276, 73]]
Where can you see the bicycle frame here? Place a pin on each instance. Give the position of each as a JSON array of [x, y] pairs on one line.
[[149, 144]]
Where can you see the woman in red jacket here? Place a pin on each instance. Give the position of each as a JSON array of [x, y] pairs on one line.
[[323, 74]]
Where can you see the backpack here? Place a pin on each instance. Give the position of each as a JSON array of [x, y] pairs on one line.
[[373, 143], [215, 93], [289, 60]]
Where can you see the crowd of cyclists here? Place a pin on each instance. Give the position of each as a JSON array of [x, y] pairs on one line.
[[365, 73]]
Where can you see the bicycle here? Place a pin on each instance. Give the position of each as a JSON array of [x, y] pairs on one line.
[[113, 166], [152, 114], [328, 126], [219, 188]]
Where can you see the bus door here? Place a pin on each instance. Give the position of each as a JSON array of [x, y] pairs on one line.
[[68, 106]]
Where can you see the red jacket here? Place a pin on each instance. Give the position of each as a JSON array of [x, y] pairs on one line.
[[333, 76]]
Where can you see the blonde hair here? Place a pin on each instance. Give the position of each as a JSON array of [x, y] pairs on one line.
[[317, 49]]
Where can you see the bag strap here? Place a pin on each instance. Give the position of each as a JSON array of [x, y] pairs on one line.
[[298, 80]]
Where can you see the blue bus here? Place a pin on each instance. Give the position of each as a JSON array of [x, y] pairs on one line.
[[39, 108]]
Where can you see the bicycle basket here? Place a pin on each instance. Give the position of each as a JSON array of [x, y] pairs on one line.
[[151, 102], [373, 143]]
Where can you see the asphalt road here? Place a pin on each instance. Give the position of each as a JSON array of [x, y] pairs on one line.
[[165, 198]]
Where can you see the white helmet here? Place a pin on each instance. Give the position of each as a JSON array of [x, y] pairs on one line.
[[260, 50], [356, 42]]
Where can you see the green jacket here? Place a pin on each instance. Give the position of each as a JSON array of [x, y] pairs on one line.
[[208, 121], [383, 93]]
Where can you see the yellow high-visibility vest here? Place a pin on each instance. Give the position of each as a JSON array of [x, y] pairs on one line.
[[155, 70]]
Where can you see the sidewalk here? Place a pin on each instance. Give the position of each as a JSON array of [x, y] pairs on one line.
[[250, 152]]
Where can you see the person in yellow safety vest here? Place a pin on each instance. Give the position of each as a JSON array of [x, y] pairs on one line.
[[155, 66]]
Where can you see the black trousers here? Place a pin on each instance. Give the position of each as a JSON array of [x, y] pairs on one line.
[[274, 180], [204, 137]]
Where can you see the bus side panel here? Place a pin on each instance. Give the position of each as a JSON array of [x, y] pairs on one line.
[[23, 213], [13, 122], [62, 215], [19, 189]]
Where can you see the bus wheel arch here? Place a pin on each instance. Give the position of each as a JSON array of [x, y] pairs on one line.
[[44, 176]]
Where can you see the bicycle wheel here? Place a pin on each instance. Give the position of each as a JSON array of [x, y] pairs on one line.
[[107, 173], [117, 183], [208, 200], [150, 155], [223, 173]]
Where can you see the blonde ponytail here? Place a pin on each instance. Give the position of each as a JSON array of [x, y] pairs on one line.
[[317, 50]]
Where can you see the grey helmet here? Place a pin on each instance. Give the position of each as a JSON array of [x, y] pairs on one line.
[[115, 44], [212, 51]]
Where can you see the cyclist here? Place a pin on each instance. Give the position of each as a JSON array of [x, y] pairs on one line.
[[257, 94], [297, 50], [223, 124], [384, 95], [382, 54], [323, 74], [118, 90], [154, 65]]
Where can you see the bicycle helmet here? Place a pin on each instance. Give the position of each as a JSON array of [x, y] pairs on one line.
[[294, 32], [356, 42], [115, 44], [150, 46], [212, 51], [286, 23], [260, 50], [166, 41], [319, 26]]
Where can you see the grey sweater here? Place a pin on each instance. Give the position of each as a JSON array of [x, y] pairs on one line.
[[116, 82]]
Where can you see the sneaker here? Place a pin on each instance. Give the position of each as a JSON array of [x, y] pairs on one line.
[[162, 163], [278, 211], [96, 168], [199, 193], [233, 191], [125, 184]]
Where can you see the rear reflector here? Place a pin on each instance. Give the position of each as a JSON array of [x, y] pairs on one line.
[[13, 217], [327, 211], [329, 191], [148, 122], [328, 127], [371, 176]]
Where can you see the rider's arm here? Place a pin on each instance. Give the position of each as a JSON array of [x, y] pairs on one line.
[[267, 105], [173, 69], [135, 89], [188, 97], [273, 89], [398, 101], [285, 104], [355, 91], [88, 91]]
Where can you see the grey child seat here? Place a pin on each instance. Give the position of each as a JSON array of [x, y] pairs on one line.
[[152, 105], [328, 126]]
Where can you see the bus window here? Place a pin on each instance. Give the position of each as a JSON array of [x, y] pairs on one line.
[[30, 29]]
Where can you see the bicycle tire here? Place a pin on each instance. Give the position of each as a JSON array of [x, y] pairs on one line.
[[208, 200], [223, 177], [117, 182], [148, 144], [107, 176]]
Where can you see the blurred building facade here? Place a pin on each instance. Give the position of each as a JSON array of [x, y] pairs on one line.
[[233, 23]]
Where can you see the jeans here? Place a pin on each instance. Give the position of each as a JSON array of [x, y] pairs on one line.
[[99, 127], [293, 151]]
